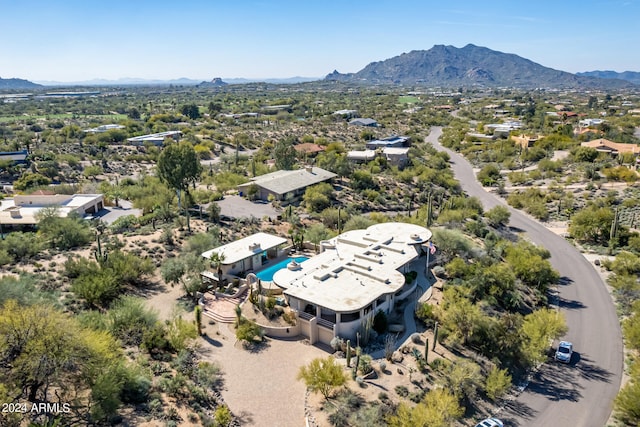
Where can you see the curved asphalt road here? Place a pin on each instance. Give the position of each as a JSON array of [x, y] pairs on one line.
[[581, 393]]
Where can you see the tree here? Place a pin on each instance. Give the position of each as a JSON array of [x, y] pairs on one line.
[[179, 167], [30, 180], [190, 110], [489, 175], [318, 197], [592, 224], [285, 155], [439, 408], [63, 233], [186, 272], [322, 375], [498, 216], [539, 329], [497, 383], [460, 317], [49, 357], [462, 378], [214, 108], [317, 233]]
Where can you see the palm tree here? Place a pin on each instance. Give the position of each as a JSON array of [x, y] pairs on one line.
[[216, 262]]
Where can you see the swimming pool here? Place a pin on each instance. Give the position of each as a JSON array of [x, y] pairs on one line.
[[267, 274]]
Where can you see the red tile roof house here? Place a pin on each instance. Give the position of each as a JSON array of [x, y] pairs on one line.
[[606, 146], [308, 148]]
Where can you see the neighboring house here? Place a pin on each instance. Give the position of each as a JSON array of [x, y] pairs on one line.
[[23, 210], [395, 156], [15, 157], [245, 255], [361, 156], [284, 184], [347, 114], [308, 148], [525, 141], [586, 123], [392, 141], [614, 148], [357, 274], [104, 128], [238, 115], [155, 138], [363, 122]]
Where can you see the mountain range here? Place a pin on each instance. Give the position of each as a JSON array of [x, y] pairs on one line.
[[17, 84], [130, 81], [440, 66], [630, 76], [448, 66]]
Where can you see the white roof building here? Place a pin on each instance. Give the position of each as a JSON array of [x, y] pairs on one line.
[[104, 128], [357, 274], [246, 254], [23, 210], [155, 138]]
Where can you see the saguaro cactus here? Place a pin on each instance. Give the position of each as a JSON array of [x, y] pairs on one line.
[[348, 353], [426, 351], [435, 336]]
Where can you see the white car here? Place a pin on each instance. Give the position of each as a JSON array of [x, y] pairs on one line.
[[490, 422], [564, 352]]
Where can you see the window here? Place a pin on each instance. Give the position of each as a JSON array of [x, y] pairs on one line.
[[349, 317]]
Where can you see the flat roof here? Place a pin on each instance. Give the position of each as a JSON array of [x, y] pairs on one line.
[[356, 267], [154, 136], [361, 155], [28, 213], [282, 182], [396, 150], [246, 247]]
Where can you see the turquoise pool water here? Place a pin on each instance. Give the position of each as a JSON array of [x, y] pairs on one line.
[[267, 273]]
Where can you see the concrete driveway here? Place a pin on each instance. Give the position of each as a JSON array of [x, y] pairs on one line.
[[110, 213], [237, 207]]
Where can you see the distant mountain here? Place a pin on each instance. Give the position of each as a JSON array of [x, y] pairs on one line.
[[449, 66], [125, 81], [216, 82], [285, 80], [17, 84], [128, 81], [630, 76]]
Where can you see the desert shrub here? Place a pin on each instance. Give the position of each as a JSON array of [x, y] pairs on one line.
[[129, 318], [402, 391], [365, 364], [124, 223], [380, 322]]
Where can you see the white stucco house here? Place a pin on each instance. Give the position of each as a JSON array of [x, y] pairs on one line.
[[23, 209], [357, 274]]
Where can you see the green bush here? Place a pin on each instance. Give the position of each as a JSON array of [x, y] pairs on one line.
[[380, 322]]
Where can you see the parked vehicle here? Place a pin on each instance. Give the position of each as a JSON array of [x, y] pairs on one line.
[[564, 352], [490, 422]]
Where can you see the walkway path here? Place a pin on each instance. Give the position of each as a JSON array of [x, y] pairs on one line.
[[261, 386]]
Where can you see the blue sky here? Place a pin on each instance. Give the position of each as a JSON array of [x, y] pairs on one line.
[[85, 39]]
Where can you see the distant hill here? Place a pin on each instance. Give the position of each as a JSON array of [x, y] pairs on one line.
[[630, 76], [17, 84], [125, 81], [216, 82], [449, 66], [128, 81]]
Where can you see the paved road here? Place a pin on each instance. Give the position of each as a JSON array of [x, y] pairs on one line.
[[579, 394]]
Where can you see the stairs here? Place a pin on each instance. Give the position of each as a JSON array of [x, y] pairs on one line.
[[223, 310]]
